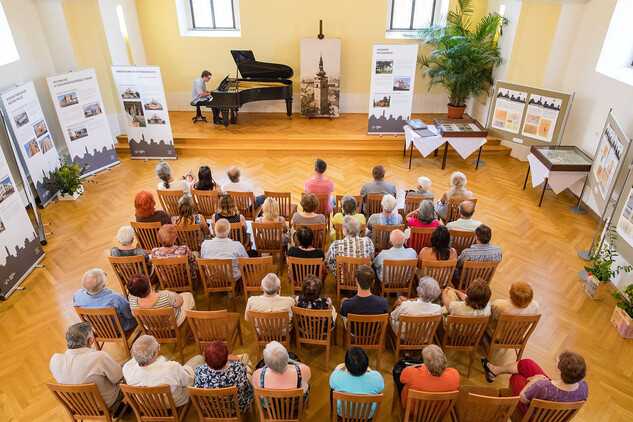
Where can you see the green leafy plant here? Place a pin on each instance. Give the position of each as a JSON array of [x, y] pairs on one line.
[[625, 299], [462, 59], [66, 177], [603, 258]]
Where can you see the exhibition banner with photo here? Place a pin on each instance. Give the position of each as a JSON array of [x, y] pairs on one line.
[[509, 109], [142, 97], [320, 77], [391, 93], [32, 137], [81, 115], [20, 247], [542, 115]]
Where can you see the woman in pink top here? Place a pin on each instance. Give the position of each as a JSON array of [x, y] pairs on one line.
[[423, 216], [439, 249]]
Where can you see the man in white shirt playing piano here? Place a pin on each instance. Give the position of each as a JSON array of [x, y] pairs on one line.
[[200, 96]]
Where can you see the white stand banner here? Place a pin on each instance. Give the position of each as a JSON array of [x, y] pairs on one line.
[[391, 94], [142, 98], [83, 120], [30, 131]]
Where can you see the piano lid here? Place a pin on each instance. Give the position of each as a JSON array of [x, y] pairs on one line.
[[251, 68]]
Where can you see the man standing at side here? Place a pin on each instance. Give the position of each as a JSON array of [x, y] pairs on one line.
[[319, 184], [200, 96]]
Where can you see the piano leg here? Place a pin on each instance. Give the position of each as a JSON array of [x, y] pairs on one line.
[[289, 107], [225, 117], [233, 116]]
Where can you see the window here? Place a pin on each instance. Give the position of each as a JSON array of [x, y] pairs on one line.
[[8, 52], [405, 17], [616, 57], [208, 18]]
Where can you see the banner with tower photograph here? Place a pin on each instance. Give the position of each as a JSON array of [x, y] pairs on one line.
[[320, 77], [81, 115], [144, 107], [391, 94]]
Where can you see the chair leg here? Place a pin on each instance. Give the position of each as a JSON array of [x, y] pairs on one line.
[[239, 332], [470, 364], [378, 359], [327, 357], [520, 354]]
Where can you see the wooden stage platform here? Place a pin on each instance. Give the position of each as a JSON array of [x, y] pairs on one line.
[[276, 132]]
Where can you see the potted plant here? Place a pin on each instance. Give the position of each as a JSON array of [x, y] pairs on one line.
[[600, 272], [462, 59], [622, 318], [67, 179]]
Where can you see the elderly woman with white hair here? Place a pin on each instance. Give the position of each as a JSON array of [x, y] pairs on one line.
[[457, 190], [125, 237], [280, 372], [422, 189], [270, 301], [351, 245], [167, 182], [428, 290], [388, 217]]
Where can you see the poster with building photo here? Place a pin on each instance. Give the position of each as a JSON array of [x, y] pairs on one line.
[[83, 120], [542, 115], [142, 97], [320, 77], [625, 222], [391, 93], [32, 137], [509, 109], [607, 158]]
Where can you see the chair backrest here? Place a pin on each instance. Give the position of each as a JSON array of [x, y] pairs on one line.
[[338, 231], [420, 238], [236, 233], [346, 267], [513, 331], [416, 331], [268, 237], [551, 411], [279, 405], [209, 326], [355, 407], [160, 323], [339, 206], [285, 203], [270, 326], [216, 274], [245, 202], [81, 401], [190, 235], [104, 323], [151, 403], [413, 203], [216, 404], [253, 270], [323, 204], [146, 235], [312, 325], [299, 268], [381, 235], [372, 204], [126, 266], [441, 271], [320, 234], [206, 202], [368, 330], [452, 213], [429, 407], [490, 409], [471, 271], [169, 200], [464, 332], [173, 273], [462, 239], [398, 275]]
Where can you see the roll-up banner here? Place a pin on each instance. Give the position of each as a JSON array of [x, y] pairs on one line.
[[83, 120], [140, 90], [33, 137], [391, 94]]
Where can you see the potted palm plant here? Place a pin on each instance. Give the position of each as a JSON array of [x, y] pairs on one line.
[[67, 179], [601, 270], [462, 58], [622, 318]]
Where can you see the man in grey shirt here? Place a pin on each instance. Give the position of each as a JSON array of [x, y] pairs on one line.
[[200, 96], [378, 186]]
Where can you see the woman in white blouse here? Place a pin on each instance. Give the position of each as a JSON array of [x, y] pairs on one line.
[[428, 290]]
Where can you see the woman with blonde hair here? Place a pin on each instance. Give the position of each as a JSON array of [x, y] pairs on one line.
[[458, 190], [228, 210], [187, 215], [270, 214]]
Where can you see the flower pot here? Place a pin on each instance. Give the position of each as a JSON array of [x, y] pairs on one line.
[[622, 322], [76, 194], [595, 288], [455, 112]]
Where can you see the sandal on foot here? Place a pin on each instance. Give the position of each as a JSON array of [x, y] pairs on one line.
[[490, 376]]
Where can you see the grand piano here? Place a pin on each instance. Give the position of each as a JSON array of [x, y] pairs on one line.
[[259, 81]]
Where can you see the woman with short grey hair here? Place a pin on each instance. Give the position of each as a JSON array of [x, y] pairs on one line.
[[428, 290], [424, 216], [125, 236], [167, 182], [280, 372], [349, 206], [388, 217], [422, 188]]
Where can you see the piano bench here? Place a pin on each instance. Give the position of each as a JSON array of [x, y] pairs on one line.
[[198, 116]]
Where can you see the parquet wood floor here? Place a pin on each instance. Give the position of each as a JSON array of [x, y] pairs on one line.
[[539, 246]]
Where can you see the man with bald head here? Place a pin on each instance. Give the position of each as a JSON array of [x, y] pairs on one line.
[[222, 247], [234, 174], [465, 221], [397, 251]]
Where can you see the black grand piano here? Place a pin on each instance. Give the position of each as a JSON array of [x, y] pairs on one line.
[[259, 81]]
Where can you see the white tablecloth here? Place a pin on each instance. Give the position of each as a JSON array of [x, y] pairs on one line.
[[558, 180], [428, 144]]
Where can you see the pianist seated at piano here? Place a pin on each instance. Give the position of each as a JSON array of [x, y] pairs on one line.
[[200, 96]]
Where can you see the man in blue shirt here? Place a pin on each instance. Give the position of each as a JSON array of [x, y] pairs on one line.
[[396, 252], [200, 96], [94, 295]]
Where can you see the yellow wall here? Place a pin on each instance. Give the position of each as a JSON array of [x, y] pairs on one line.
[[85, 28], [533, 42]]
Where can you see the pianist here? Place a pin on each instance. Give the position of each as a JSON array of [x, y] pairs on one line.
[[200, 96]]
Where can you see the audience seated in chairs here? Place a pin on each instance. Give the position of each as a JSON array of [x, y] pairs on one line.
[[349, 206], [521, 302], [142, 297], [148, 369], [424, 216], [458, 190], [364, 302], [310, 297], [234, 174], [94, 295], [167, 182], [388, 217], [167, 235], [529, 381], [472, 303], [270, 300], [280, 372], [355, 377], [270, 214], [397, 251], [228, 210], [81, 364], [146, 212], [481, 251], [422, 189], [223, 370], [187, 215], [351, 245], [205, 180], [428, 290], [439, 249], [309, 204], [465, 222], [319, 183], [222, 247]]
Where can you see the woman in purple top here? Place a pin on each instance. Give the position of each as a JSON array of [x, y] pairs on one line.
[[529, 381]]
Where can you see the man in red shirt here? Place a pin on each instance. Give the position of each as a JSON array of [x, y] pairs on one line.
[[319, 184]]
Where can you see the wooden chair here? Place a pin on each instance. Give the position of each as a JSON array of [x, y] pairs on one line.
[[268, 239], [161, 323], [173, 274], [279, 405], [323, 206], [146, 235], [452, 213], [415, 332], [209, 326], [512, 332], [286, 207], [206, 202], [154, 403], [314, 326], [339, 206], [125, 267], [490, 409], [346, 273], [338, 230], [270, 326], [236, 233], [169, 200], [464, 333], [420, 238], [82, 402], [381, 233], [368, 333], [441, 271], [253, 270], [106, 327], [372, 204], [462, 239], [190, 235], [356, 407], [245, 201], [398, 275], [427, 407], [299, 268], [320, 234], [216, 404], [471, 271], [551, 411], [217, 276], [412, 203]]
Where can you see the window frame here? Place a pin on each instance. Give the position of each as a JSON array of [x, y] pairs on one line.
[[186, 22], [401, 33]]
